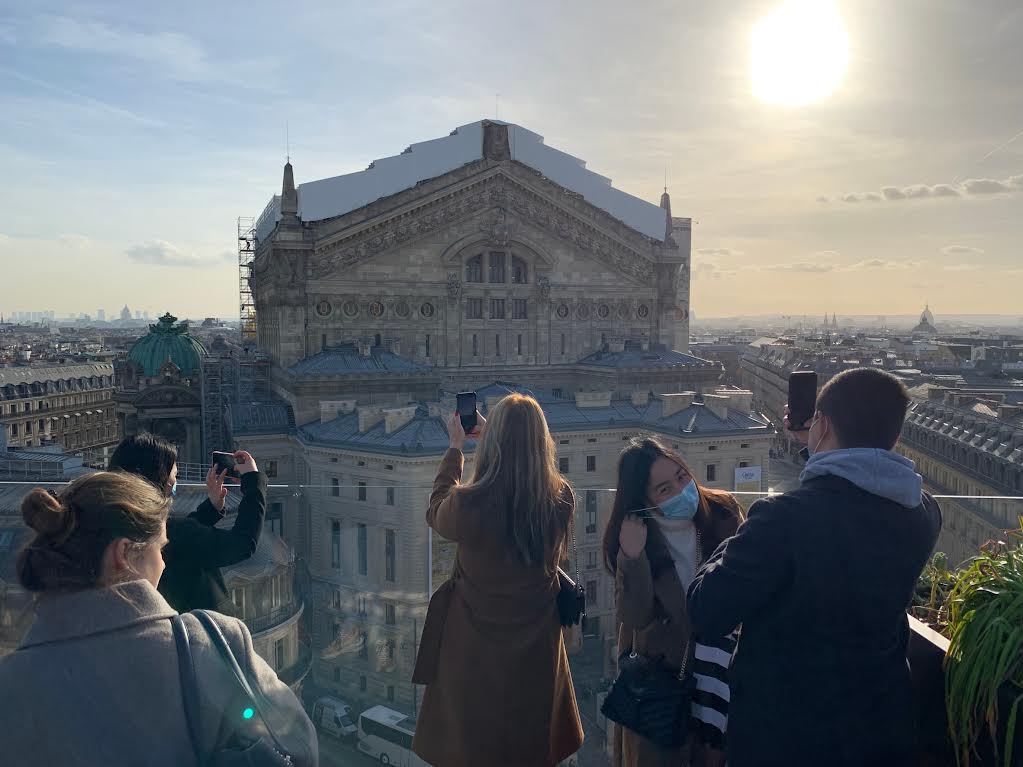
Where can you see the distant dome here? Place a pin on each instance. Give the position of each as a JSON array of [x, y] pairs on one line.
[[164, 341], [927, 317]]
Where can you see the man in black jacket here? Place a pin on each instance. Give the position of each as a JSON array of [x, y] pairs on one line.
[[820, 580], [197, 549]]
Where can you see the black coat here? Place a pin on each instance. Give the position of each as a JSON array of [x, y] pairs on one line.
[[820, 580], [197, 550]]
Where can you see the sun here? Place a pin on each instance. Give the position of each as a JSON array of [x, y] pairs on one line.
[[799, 53]]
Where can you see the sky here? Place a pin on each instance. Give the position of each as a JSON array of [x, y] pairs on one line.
[[134, 134]]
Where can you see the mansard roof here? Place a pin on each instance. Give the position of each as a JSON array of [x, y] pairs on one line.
[[331, 197], [345, 359], [658, 356]]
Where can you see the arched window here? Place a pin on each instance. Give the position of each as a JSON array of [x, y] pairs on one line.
[[474, 269], [519, 271]]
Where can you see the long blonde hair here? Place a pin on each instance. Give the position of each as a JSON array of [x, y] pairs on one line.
[[517, 475]]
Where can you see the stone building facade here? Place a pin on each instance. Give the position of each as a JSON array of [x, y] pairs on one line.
[[486, 261], [71, 406]]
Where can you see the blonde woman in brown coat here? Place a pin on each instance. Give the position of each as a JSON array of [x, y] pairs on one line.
[[498, 686], [662, 525]]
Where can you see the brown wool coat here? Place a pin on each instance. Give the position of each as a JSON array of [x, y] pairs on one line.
[[498, 687], [651, 606]]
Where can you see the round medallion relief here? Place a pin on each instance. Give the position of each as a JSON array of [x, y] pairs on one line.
[[643, 311], [401, 309], [376, 309], [351, 308], [426, 310], [562, 311], [323, 308], [583, 312], [603, 311]]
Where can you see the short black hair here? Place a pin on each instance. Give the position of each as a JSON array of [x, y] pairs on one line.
[[147, 455], [866, 407]]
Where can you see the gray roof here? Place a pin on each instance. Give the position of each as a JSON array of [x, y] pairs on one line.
[[658, 356], [428, 435], [345, 359], [33, 374], [264, 417]]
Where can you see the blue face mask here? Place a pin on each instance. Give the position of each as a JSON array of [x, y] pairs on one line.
[[683, 505], [174, 489]]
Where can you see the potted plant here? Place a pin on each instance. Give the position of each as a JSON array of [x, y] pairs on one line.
[[984, 665]]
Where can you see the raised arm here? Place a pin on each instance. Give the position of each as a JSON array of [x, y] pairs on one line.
[[443, 513], [211, 510]]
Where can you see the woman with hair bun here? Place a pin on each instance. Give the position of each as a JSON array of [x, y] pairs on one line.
[[96, 679]]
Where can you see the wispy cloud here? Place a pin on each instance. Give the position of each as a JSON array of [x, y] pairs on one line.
[[718, 252], [960, 251], [963, 268], [969, 188], [872, 264], [163, 253], [806, 267]]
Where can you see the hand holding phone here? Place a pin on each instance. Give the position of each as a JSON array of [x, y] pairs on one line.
[[466, 407], [225, 463]]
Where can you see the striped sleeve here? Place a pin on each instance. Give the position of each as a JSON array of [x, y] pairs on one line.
[[710, 701]]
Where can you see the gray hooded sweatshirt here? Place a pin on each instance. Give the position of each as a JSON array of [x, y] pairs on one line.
[[881, 472]]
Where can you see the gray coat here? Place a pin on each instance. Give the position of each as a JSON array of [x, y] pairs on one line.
[[95, 682]]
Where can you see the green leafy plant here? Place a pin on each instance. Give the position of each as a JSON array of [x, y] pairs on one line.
[[985, 626], [931, 594]]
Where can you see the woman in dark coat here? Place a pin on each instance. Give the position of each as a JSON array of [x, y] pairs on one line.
[[498, 687], [197, 549], [662, 525]]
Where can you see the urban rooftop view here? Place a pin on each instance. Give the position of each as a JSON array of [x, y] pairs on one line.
[[334, 254]]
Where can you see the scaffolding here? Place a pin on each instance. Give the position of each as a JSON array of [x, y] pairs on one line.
[[246, 255]]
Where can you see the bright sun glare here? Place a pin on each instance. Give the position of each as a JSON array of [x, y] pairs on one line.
[[799, 53]]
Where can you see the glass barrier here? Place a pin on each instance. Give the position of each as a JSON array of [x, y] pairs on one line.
[[337, 593]]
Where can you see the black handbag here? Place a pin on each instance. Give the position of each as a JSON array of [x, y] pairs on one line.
[[649, 698], [571, 596], [251, 743]]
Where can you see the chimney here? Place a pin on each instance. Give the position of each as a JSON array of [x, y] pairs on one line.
[[740, 400], [395, 418], [587, 399], [640, 398], [717, 404], [330, 409], [644, 345], [365, 345], [673, 403], [369, 416], [616, 345]]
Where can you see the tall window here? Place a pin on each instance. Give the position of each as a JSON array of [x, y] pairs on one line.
[[279, 655], [390, 496], [275, 592], [335, 545], [497, 308], [563, 464], [497, 344], [519, 309], [474, 308], [518, 345], [475, 345], [712, 472], [496, 267], [390, 555], [562, 343], [275, 518], [363, 549], [591, 560], [335, 487], [427, 344], [389, 614], [362, 491], [238, 598], [591, 463], [519, 271], [591, 511], [591, 593], [474, 269]]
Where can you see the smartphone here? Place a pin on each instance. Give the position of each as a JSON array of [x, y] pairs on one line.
[[225, 461], [467, 410], [802, 398]]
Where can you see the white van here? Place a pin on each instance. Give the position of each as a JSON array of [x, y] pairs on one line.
[[386, 735], [334, 716]]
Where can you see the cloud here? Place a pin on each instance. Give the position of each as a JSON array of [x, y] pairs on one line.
[[718, 252], [805, 267], [163, 253], [708, 271], [872, 264], [178, 56], [964, 268], [961, 250], [971, 187], [822, 199], [827, 254]]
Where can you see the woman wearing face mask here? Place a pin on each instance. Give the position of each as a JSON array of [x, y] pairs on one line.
[[197, 550], [662, 526], [96, 681]]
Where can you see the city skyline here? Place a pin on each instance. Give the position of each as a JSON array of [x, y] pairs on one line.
[[900, 188]]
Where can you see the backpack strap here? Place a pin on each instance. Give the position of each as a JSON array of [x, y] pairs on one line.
[[189, 687]]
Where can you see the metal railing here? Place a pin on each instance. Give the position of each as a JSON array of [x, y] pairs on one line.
[[260, 623]]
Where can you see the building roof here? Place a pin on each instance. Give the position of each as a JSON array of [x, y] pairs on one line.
[[345, 359], [167, 341], [658, 356], [331, 197], [273, 416], [427, 434], [41, 374]]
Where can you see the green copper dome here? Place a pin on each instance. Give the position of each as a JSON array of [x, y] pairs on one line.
[[164, 341]]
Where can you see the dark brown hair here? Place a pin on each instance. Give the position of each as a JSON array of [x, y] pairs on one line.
[[517, 475], [634, 466], [866, 407], [74, 528], [148, 456]]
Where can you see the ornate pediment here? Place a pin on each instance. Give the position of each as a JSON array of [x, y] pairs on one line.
[[500, 202], [167, 396]]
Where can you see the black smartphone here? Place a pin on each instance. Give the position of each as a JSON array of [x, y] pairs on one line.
[[802, 398], [467, 410], [225, 461]]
